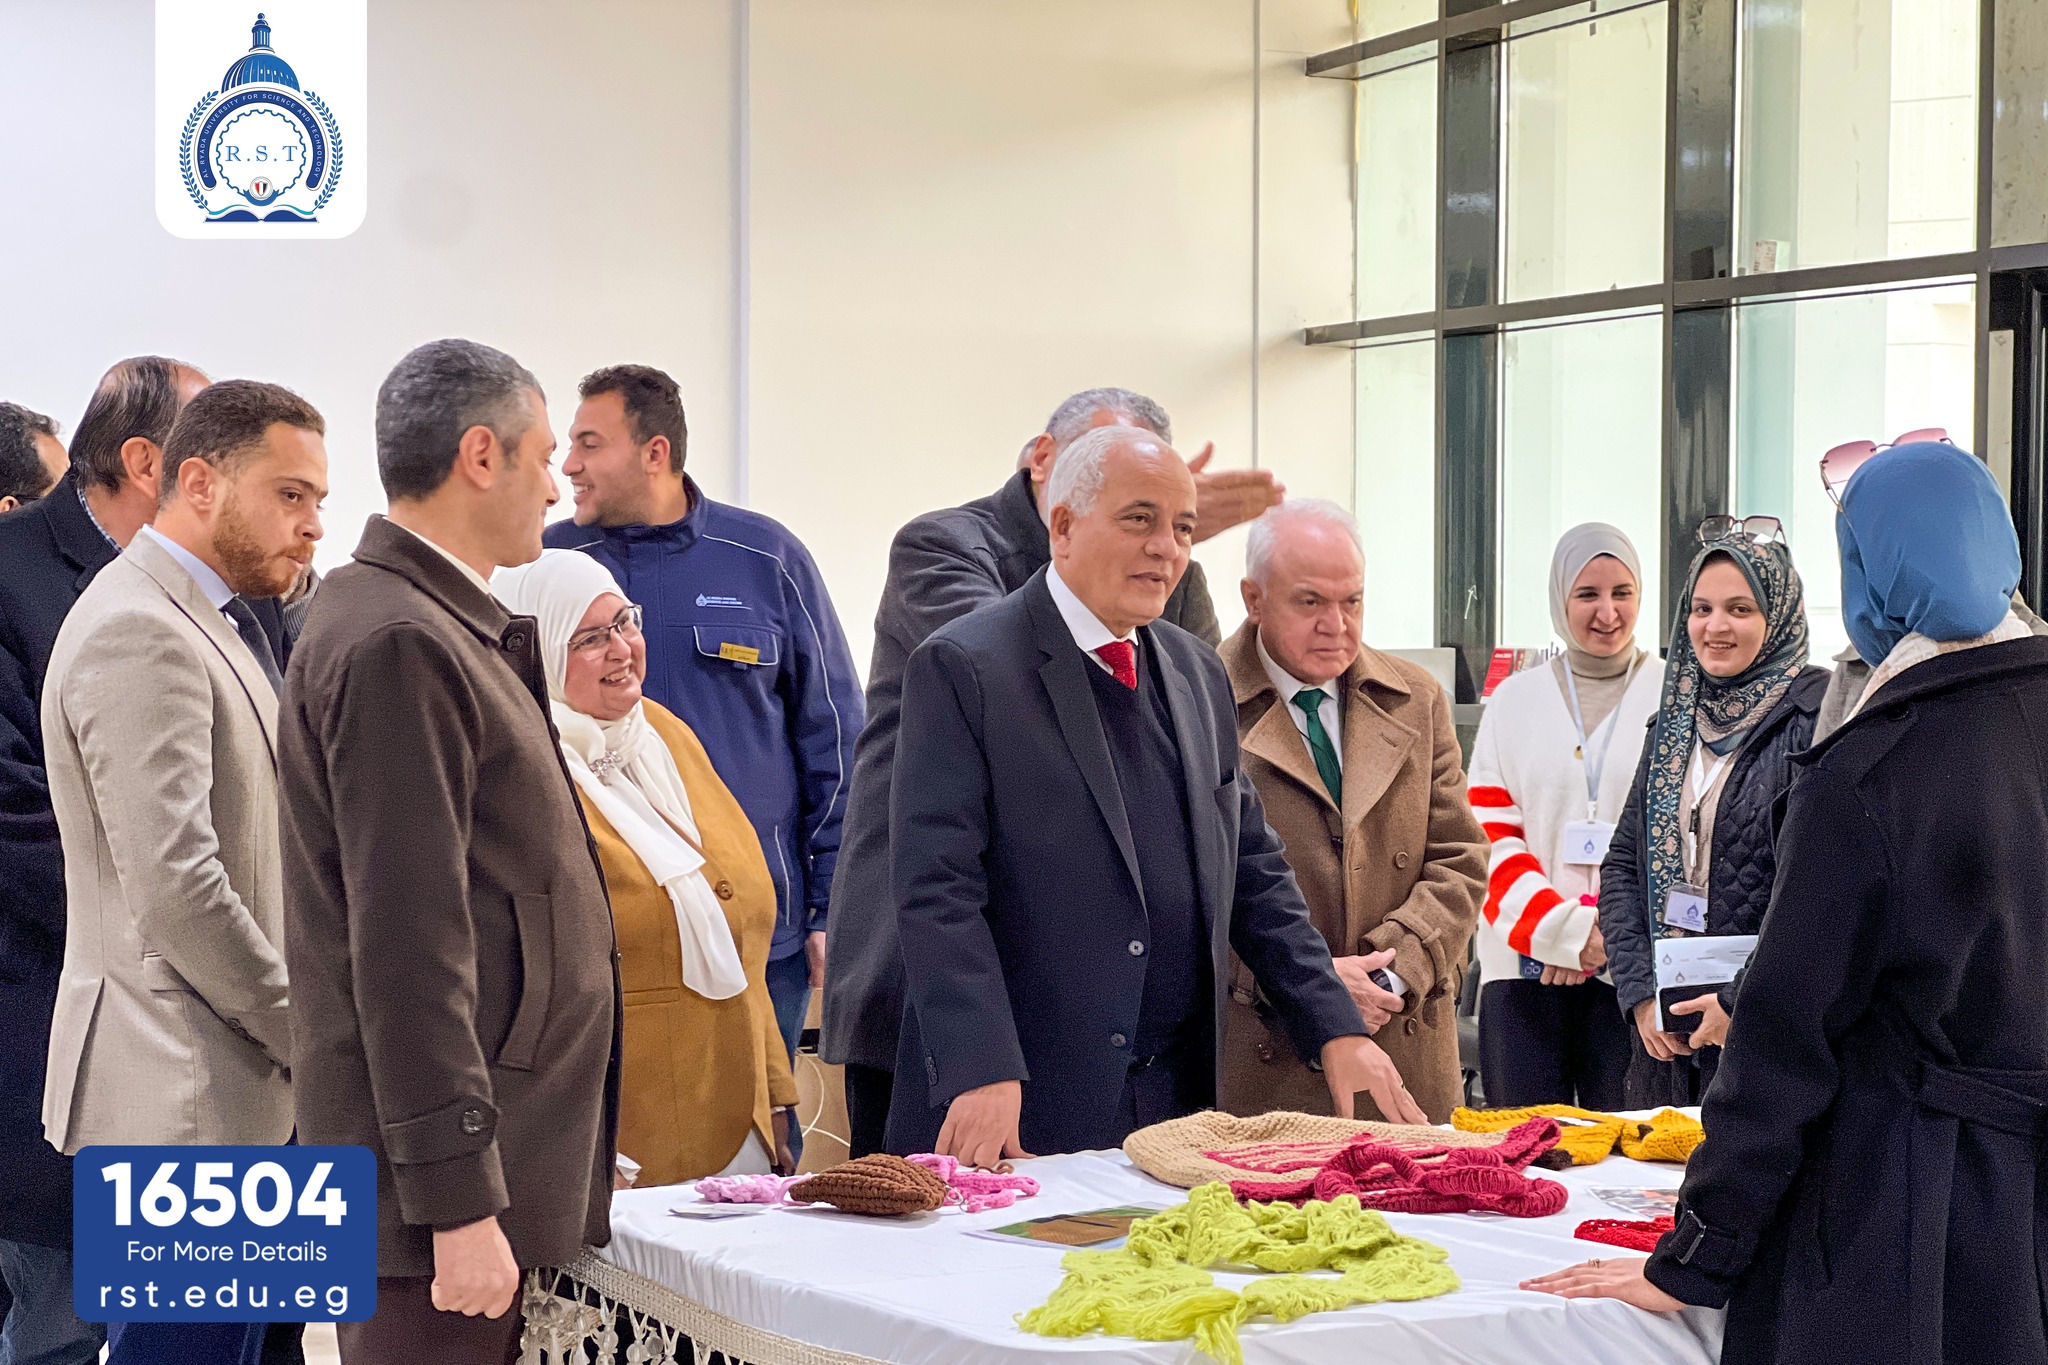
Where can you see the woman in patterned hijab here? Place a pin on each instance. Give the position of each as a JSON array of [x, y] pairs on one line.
[[1738, 701]]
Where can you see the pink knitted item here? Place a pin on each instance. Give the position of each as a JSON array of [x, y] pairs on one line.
[[1285, 1158], [745, 1189], [977, 1191], [1463, 1180]]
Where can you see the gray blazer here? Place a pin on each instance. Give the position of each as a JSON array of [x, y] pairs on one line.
[[170, 1022]]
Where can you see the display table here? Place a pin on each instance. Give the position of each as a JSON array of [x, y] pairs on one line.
[[811, 1286]]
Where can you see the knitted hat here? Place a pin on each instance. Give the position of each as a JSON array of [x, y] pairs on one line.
[[876, 1185], [1276, 1147]]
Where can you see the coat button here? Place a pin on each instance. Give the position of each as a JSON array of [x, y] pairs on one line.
[[1137, 948], [1410, 1027], [724, 889], [1117, 1040], [1401, 859], [515, 639], [1265, 1052], [472, 1121]]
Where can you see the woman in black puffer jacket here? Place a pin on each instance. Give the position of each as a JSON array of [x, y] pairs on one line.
[[1739, 702]]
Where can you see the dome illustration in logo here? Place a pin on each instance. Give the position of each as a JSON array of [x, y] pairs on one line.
[[260, 142]]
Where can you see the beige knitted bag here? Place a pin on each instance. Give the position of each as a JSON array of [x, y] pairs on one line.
[[1273, 1147]]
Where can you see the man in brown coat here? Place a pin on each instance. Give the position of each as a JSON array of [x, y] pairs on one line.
[[1354, 756], [455, 1000]]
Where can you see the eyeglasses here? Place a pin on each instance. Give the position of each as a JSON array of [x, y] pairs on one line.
[[1722, 526], [626, 625], [1844, 460]]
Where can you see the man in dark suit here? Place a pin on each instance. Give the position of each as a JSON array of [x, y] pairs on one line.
[[49, 551], [942, 566], [1076, 849]]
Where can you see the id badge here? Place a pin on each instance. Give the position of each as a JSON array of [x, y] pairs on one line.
[[1685, 907], [1585, 842]]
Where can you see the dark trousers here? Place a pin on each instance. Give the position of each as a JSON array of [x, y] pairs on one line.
[[1543, 1044], [789, 990], [1172, 1086], [186, 1343], [868, 1092], [408, 1330]]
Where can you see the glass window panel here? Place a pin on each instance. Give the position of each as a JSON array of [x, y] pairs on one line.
[[2019, 149], [1859, 131], [1585, 156], [1396, 502], [1814, 373], [1396, 180], [1581, 440]]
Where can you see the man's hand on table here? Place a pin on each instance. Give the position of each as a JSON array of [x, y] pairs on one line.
[[1622, 1279], [981, 1125], [1356, 1063]]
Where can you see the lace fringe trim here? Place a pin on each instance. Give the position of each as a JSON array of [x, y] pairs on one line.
[[581, 1313]]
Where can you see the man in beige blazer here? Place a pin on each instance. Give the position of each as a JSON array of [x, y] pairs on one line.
[[158, 714], [1355, 757]]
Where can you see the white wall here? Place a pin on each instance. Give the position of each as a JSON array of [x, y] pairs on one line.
[[876, 240]]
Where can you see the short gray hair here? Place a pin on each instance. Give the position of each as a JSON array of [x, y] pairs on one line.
[[1258, 550], [1077, 479], [1070, 418], [431, 397]]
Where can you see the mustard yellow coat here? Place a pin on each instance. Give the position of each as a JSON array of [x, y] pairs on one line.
[[698, 1073]]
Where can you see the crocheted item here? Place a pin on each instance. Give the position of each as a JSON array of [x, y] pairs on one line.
[[875, 1185], [745, 1189], [1466, 1180], [1668, 1136], [1213, 1146], [1157, 1287], [977, 1191], [1623, 1232]]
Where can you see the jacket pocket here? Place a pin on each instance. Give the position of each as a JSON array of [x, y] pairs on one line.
[[159, 975], [534, 916], [740, 646]]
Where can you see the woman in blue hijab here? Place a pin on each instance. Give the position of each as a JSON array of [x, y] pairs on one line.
[[1875, 1176]]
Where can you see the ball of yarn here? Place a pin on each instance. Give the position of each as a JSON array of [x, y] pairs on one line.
[[874, 1185]]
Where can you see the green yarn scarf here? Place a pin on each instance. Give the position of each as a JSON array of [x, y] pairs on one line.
[[1158, 1287]]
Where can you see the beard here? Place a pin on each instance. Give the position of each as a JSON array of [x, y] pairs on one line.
[[249, 569]]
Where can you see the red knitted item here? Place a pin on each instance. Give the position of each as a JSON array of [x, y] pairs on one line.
[[1623, 1232], [1463, 1180]]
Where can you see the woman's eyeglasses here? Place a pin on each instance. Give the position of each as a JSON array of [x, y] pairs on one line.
[[1722, 526], [1844, 460], [626, 625]]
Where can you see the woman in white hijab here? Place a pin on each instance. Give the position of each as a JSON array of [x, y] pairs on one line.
[[707, 1087], [1550, 772]]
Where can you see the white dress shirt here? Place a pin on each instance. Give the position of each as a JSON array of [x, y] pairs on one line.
[[1086, 628], [1331, 715], [210, 583]]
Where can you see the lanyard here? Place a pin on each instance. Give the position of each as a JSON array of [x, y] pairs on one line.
[[1704, 778], [1595, 765]]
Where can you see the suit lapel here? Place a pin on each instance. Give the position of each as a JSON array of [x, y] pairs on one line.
[[1073, 702], [185, 595], [1275, 738], [1375, 747], [1190, 737]]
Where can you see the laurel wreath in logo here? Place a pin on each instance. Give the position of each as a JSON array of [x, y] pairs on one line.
[[333, 149], [185, 148]]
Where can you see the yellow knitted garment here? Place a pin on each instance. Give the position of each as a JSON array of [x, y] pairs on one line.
[[1668, 1136], [1157, 1288]]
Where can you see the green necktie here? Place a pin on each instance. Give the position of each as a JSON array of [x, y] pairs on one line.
[[1310, 700]]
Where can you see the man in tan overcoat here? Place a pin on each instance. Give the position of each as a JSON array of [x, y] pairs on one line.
[[1355, 757]]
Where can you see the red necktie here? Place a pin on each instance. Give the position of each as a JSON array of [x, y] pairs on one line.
[[1122, 658]]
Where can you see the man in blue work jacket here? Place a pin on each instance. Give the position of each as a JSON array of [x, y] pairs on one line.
[[742, 643]]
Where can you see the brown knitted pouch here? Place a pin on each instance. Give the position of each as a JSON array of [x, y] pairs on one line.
[[876, 1185]]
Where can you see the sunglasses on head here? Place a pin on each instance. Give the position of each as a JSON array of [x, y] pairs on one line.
[[1722, 526], [1844, 460]]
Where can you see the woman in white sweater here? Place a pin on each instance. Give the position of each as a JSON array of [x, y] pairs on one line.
[[1550, 772]]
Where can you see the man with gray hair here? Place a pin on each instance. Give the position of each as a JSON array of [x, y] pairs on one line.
[[1078, 852], [455, 1005], [1355, 758], [942, 566]]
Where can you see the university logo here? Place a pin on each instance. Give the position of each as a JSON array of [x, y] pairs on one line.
[[262, 151]]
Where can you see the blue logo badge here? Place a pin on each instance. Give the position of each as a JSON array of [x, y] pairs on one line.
[[712, 600], [260, 149]]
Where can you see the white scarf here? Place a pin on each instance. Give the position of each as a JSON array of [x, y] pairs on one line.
[[626, 769], [1916, 649]]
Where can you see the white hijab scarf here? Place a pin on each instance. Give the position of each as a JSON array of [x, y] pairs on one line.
[[624, 767]]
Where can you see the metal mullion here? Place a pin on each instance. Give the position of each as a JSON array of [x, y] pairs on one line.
[[1987, 100], [1861, 275], [1494, 19], [1491, 316]]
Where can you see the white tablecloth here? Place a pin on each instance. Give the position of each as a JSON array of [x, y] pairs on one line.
[[922, 1292]]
